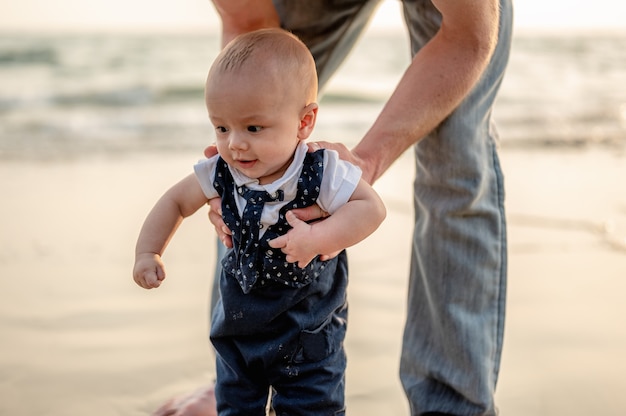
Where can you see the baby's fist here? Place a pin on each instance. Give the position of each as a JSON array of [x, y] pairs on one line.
[[149, 270]]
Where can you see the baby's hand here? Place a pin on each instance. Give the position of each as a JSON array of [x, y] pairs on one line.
[[149, 270], [298, 243]]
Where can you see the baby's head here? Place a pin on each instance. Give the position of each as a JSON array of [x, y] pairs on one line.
[[274, 56], [260, 95]]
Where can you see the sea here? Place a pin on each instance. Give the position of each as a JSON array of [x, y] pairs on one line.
[[76, 95]]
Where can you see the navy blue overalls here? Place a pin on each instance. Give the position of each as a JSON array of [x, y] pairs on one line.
[[276, 324]]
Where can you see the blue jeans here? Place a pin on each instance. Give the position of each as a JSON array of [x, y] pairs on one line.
[[456, 301], [286, 338]]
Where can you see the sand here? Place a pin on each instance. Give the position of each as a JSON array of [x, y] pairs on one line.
[[79, 337]]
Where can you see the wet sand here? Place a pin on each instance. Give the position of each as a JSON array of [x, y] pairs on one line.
[[79, 337]]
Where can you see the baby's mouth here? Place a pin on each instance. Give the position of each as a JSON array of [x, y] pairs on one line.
[[246, 164]]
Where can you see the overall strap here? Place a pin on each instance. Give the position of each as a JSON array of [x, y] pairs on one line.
[[257, 264]]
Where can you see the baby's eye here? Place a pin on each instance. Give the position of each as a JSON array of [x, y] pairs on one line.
[[254, 129], [221, 129]]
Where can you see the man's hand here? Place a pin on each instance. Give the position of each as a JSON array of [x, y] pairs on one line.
[[210, 151], [215, 209], [344, 154], [215, 216]]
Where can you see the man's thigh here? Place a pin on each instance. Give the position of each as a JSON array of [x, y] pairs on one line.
[[329, 28]]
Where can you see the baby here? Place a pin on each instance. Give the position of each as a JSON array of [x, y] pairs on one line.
[[281, 320]]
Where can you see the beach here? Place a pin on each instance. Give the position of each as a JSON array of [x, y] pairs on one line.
[[79, 337], [94, 128]]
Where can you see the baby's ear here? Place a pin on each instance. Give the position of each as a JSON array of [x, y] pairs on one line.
[[308, 115]]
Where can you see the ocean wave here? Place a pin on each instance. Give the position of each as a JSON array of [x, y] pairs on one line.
[[115, 98], [120, 97], [83, 93], [352, 97], [28, 56]]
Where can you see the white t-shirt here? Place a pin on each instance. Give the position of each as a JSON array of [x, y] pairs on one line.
[[338, 183]]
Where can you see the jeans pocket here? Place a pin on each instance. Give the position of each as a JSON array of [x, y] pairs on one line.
[[321, 342]]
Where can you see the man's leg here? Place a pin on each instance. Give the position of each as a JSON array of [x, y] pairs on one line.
[[329, 28], [455, 319]]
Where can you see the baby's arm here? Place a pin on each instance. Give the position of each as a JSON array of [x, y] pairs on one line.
[[180, 201], [350, 224]]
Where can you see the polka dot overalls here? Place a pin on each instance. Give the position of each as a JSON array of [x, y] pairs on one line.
[[276, 324], [254, 262]]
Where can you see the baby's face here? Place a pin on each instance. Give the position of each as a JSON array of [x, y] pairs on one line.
[[256, 122]]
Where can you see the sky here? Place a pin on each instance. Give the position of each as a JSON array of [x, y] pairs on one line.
[[185, 15]]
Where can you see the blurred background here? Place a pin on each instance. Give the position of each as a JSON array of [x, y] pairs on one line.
[[101, 108], [127, 76]]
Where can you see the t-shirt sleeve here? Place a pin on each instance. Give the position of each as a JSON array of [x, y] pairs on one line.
[[205, 172], [338, 183]]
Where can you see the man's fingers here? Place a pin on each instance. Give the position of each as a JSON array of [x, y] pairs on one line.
[[215, 216], [218, 222], [215, 204], [344, 154], [210, 151]]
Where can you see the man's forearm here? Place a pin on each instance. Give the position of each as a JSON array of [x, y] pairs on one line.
[[437, 80], [242, 16]]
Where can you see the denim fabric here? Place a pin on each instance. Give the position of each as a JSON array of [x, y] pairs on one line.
[[456, 301], [288, 338]]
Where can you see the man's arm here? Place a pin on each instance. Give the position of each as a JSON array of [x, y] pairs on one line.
[[440, 76], [242, 16]]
